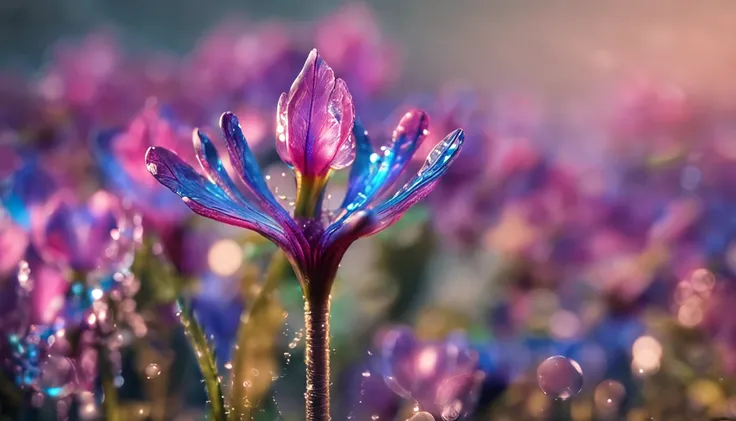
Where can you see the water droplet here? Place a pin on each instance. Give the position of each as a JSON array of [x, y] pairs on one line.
[[247, 384], [451, 412], [422, 416], [119, 381], [608, 396], [366, 373], [375, 417], [560, 377], [152, 371], [255, 372], [58, 377], [152, 168]]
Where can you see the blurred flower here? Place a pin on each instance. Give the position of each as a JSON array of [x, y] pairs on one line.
[[369, 395], [79, 72], [119, 157], [13, 242], [352, 41], [442, 377], [27, 192], [78, 236]]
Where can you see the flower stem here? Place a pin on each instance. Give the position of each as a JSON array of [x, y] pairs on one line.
[[317, 333]]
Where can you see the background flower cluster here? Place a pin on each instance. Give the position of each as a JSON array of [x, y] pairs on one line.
[[603, 235]]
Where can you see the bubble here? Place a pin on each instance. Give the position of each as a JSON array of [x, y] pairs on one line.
[[153, 370], [608, 396], [560, 377], [421, 416], [58, 377]]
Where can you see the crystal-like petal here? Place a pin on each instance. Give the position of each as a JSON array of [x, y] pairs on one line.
[[206, 198], [210, 162], [361, 170], [386, 166], [282, 128], [422, 183], [320, 115]]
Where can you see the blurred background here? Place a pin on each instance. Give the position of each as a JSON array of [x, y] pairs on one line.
[[577, 261]]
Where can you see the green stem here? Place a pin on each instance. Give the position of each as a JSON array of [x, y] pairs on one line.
[[256, 330], [206, 361]]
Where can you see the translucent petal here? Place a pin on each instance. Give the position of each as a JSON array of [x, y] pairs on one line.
[[361, 169], [384, 167], [320, 115], [210, 162], [438, 160], [206, 198], [282, 130], [247, 167]]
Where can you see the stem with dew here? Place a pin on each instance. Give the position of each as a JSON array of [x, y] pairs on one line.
[[317, 359]]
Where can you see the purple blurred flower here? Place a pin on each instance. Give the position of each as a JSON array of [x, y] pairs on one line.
[[443, 377], [352, 41], [369, 395], [79, 236], [79, 72], [13, 242], [315, 119], [119, 155]]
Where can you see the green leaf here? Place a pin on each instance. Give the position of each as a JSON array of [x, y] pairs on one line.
[[205, 359]]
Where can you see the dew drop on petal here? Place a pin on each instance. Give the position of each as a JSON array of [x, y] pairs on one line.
[[451, 411], [560, 377], [421, 416], [152, 168], [152, 371]]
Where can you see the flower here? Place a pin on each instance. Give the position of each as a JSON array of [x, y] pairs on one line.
[[353, 42], [81, 237], [13, 242], [118, 153], [315, 121], [444, 377]]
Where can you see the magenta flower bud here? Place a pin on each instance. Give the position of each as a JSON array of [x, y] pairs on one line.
[[314, 121]]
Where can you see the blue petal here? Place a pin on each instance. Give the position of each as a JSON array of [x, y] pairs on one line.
[[250, 172], [119, 180], [243, 160], [386, 166], [206, 198], [438, 161], [210, 161], [29, 186], [362, 166]]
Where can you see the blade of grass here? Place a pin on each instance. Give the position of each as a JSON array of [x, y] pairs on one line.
[[205, 359]]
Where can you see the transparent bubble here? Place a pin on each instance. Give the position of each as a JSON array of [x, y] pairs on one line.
[[58, 377], [560, 377], [608, 396], [152, 370], [451, 411], [421, 416]]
